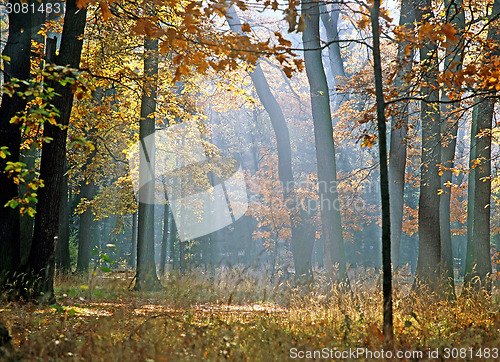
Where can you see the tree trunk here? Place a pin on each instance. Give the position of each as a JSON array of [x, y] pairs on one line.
[[301, 226], [384, 179], [164, 240], [133, 252], [41, 259], [63, 261], [449, 129], [325, 148], [399, 128], [478, 264], [85, 228], [146, 277], [429, 240], [18, 49]]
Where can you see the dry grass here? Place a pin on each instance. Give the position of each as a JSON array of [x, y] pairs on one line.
[[239, 316]]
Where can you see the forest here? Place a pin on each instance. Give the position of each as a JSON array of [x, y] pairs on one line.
[[249, 180]]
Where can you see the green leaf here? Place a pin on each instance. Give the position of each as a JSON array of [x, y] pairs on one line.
[[71, 312], [105, 270], [84, 287], [105, 257]]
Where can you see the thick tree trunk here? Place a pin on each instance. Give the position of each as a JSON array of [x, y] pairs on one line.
[[18, 50], [41, 259], [146, 277], [478, 263], [325, 149], [63, 261], [399, 128], [429, 239], [85, 228], [301, 226], [449, 129], [384, 179]]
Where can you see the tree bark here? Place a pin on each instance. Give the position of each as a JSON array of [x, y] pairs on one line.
[[18, 49], [146, 277], [133, 252], [301, 225], [449, 129], [399, 129], [325, 148], [478, 264], [164, 240], [429, 239], [41, 259], [63, 262], [384, 179], [85, 228]]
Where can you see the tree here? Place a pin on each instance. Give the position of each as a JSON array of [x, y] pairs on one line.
[[146, 277], [453, 62], [429, 240], [399, 128], [384, 177], [16, 57], [302, 233], [325, 148], [41, 258], [478, 260]]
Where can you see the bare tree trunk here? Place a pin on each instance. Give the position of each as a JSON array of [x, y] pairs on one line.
[[85, 228], [399, 128], [146, 277], [63, 262], [133, 252], [384, 179], [449, 129], [478, 262], [429, 239], [164, 241], [325, 148]]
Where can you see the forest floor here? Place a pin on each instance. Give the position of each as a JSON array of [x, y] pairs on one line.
[[238, 317]]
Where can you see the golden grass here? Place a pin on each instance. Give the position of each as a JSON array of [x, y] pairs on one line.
[[237, 315]]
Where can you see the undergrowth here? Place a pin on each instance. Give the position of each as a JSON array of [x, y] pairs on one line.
[[238, 315]]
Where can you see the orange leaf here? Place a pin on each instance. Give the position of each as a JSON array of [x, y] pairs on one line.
[[246, 28], [106, 13], [81, 3]]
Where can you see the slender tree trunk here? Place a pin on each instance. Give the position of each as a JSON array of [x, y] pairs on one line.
[[41, 259], [384, 178], [172, 237], [18, 50], [478, 263], [85, 228], [146, 277], [399, 128], [301, 227], [429, 239], [449, 129], [325, 148], [133, 252], [164, 240]]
